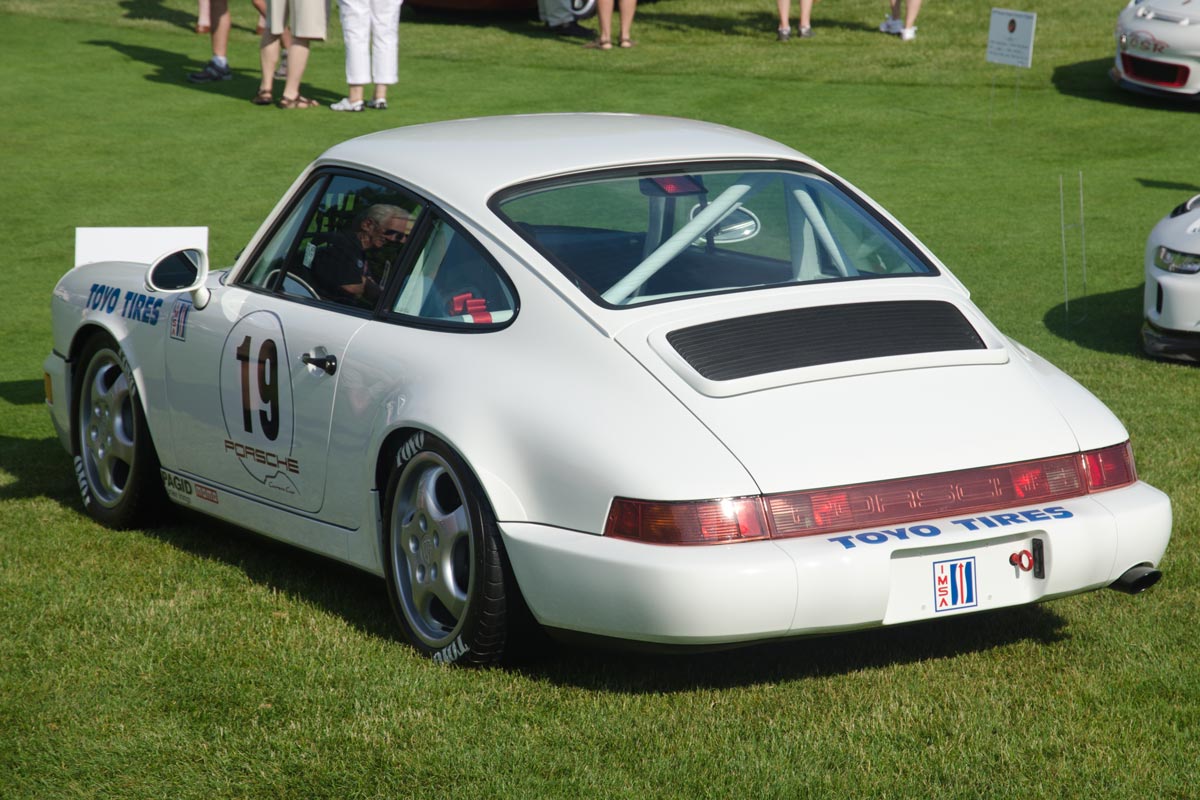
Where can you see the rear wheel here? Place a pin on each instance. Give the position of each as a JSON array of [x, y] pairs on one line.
[[446, 573], [115, 462]]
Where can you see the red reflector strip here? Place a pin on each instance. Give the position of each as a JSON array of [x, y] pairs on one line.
[[873, 505]]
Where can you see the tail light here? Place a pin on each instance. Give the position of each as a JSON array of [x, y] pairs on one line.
[[872, 505], [1110, 468], [737, 519]]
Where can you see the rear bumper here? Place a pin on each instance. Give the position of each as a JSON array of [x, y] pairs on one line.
[[713, 595]]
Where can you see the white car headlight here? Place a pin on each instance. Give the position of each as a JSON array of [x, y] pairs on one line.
[[1174, 261]]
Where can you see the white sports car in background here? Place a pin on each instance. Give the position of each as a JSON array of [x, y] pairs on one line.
[[656, 380], [1171, 299], [1158, 47]]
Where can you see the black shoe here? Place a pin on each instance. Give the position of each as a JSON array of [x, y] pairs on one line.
[[573, 29], [211, 72]]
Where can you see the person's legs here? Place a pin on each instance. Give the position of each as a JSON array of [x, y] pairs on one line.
[[628, 9], [356, 33], [911, 9], [203, 17], [785, 11], [217, 69], [805, 15], [604, 15], [220, 32], [268, 57], [385, 45], [297, 61]]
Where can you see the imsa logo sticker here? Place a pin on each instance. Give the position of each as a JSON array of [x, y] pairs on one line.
[[954, 584]]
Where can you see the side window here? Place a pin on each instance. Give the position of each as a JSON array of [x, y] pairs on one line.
[[453, 281], [267, 271], [340, 243]]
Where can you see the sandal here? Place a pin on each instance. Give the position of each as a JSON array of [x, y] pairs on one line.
[[299, 101], [599, 44], [263, 98], [627, 43]]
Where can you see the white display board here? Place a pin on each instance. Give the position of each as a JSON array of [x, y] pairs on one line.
[[139, 245], [1010, 37]]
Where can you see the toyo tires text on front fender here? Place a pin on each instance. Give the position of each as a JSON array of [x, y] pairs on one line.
[[447, 578], [115, 461]]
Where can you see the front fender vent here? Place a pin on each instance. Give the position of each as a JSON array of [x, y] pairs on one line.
[[809, 337]]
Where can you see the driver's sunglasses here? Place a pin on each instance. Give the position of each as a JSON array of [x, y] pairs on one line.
[[393, 234]]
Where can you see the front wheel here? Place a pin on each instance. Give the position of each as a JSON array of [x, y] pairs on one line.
[[115, 461], [446, 574]]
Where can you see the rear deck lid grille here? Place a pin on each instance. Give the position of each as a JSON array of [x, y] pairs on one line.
[[808, 337]]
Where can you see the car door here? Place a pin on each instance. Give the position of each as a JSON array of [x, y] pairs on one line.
[[252, 377]]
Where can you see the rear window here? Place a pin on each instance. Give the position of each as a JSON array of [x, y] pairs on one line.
[[628, 239]]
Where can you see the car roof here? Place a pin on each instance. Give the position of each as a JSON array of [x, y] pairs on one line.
[[473, 158]]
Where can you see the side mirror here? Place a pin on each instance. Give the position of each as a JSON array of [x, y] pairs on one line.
[[181, 271], [738, 225]]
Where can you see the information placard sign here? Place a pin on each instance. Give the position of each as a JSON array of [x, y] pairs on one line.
[[139, 245], [1010, 37]]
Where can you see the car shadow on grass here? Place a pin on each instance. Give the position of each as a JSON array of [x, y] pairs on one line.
[[361, 601], [797, 659], [1106, 323], [36, 468], [1090, 80], [356, 597], [172, 68]]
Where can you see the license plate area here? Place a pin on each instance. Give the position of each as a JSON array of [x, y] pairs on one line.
[[945, 580]]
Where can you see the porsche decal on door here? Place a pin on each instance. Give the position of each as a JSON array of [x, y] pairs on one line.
[[256, 401]]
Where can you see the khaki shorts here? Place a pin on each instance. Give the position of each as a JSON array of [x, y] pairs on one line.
[[308, 19]]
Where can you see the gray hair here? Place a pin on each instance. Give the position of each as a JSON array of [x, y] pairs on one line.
[[382, 212]]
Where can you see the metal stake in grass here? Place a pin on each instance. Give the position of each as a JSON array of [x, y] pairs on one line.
[[1062, 217]]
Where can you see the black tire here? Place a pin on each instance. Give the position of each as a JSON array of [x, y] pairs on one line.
[[583, 9], [447, 576], [115, 461]]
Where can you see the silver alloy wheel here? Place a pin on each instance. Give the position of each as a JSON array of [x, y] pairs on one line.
[[432, 548], [107, 441]]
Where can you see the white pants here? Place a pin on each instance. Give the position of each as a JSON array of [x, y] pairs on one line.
[[372, 32]]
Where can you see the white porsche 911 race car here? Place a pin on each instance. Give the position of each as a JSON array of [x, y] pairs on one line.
[[653, 380], [1158, 48], [1171, 298]]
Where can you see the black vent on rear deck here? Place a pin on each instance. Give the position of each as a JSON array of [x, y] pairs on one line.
[[808, 337]]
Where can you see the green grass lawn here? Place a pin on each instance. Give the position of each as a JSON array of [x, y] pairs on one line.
[[200, 661]]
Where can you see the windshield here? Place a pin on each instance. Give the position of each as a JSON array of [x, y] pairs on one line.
[[638, 238]]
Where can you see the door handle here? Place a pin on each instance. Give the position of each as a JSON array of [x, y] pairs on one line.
[[327, 363]]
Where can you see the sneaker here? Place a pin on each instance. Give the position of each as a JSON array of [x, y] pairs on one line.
[[804, 33], [571, 28], [908, 34], [891, 25], [212, 72], [379, 105], [345, 105], [783, 34]]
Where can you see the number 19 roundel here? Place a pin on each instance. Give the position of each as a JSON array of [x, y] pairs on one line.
[[256, 395]]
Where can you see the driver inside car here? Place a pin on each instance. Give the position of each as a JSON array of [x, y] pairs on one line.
[[340, 269]]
